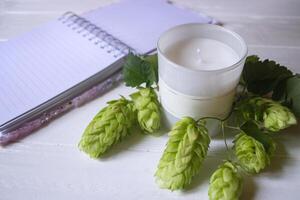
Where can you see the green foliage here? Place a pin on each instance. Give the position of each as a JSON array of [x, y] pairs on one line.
[[148, 109], [262, 77], [289, 93], [139, 70], [271, 114], [225, 183], [109, 126], [185, 151]]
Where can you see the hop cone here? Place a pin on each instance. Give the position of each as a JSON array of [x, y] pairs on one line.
[[109, 126], [251, 153], [225, 183], [184, 153], [277, 117], [271, 114], [148, 111]]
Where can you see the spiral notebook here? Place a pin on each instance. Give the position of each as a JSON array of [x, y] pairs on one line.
[[59, 60]]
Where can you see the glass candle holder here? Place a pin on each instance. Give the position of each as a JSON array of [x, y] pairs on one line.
[[199, 68]]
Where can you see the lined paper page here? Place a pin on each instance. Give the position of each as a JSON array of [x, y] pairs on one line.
[[44, 63], [139, 23], [53, 58]]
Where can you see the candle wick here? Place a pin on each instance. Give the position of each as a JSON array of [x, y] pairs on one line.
[[199, 55]]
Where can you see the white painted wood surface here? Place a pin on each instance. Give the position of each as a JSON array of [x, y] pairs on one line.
[[48, 165]]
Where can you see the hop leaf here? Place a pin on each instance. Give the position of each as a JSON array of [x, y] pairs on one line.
[[252, 108], [148, 111], [185, 151], [109, 126], [289, 92], [225, 183], [262, 77], [138, 70], [271, 114], [251, 153]]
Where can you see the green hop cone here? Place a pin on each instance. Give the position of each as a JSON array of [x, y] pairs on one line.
[[251, 153], [148, 109], [277, 117], [271, 114], [185, 151], [225, 183], [109, 126]]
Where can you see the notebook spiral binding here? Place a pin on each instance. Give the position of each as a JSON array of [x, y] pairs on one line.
[[95, 34]]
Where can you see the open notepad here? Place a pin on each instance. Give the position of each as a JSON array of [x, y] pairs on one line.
[[61, 59]]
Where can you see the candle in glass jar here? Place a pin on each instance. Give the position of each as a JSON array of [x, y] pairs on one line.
[[199, 68], [202, 53]]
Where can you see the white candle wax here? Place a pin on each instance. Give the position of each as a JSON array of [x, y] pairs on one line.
[[201, 60], [202, 53]]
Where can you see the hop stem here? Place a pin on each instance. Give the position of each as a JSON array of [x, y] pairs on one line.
[[224, 138]]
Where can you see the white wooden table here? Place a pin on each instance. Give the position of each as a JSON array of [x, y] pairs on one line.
[[48, 164]]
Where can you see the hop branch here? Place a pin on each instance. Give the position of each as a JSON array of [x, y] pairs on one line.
[[189, 140]]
